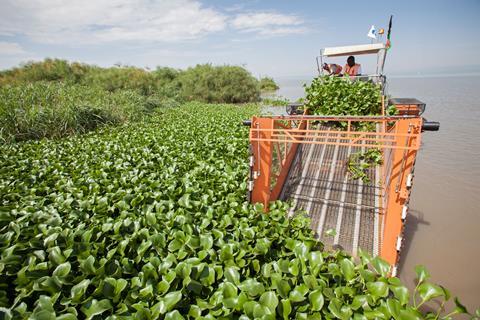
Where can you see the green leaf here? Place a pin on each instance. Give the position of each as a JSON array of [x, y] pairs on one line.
[[401, 293], [394, 308], [360, 301], [171, 299], [44, 309], [316, 300], [56, 255], [348, 269], [206, 241], [301, 250], [175, 245], [298, 293], [460, 308], [252, 287], [315, 258], [94, 307], [446, 293], [229, 290], [269, 299], [428, 291], [286, 308], [232, 275], [184, 201], [381, 266], [78, 291], [338, 310], [409, 314], [331, 232], [249, 307], [422, 274], [195, 311], [378, 289], [62, 270], [283, 288], [67, 316], [174, 315], [87, 265]]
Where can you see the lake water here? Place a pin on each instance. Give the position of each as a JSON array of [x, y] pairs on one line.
[[443, 226]]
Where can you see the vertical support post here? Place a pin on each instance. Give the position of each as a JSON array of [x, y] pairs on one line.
[[262, 153], [383, 105], [398, 193], [289, 156]]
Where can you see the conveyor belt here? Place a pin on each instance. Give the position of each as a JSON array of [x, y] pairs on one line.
[[319, 184]]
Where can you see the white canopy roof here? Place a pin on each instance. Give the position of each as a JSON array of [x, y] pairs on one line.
[[353, 50]]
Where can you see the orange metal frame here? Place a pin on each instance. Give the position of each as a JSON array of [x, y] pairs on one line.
[[274, 141]]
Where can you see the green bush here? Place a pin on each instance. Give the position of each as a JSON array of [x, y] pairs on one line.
[[165, 75], [343, 96], [122, 78], [223, 84], [268, 84], [47, 70], [216, 84], [149, 221], [34, 111]]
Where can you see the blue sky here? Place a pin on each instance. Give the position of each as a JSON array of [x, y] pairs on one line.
[[276, 38]]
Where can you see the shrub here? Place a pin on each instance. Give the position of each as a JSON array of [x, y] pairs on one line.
[[216, 84], [47, 70], [122, 78], [165, 75], [268, 84], [223, 84]]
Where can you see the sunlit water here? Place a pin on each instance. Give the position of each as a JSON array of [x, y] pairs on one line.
[[443, 226]]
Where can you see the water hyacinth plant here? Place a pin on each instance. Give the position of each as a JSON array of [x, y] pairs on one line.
[[328, 95], [149, 221]]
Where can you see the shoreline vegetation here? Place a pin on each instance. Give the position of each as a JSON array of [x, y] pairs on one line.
[[54, 98], [148, 218]]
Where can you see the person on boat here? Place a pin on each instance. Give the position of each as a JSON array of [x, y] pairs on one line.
[[332, 69], [351, 68]]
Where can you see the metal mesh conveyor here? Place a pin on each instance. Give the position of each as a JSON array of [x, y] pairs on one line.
[[304, 158], [318, 183]]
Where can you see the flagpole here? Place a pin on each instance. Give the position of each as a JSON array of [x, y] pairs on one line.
[[388, 42]]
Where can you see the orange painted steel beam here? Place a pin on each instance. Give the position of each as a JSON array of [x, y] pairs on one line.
[[340, 118], [262, 153], [408, 109], [277, 189], [287, 131], [333, 143], [397, 191]]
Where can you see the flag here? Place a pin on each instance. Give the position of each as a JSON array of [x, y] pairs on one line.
[[372, 33], [389, 44]]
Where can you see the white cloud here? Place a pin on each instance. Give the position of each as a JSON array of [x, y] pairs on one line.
[[268, 23], [10, 48], [100, 21]]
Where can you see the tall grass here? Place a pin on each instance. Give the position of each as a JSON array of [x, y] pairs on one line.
[[39, 110]]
